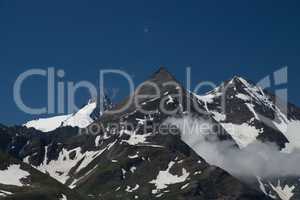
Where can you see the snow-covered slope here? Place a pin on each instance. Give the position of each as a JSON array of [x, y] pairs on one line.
[[277, 190], [81, 119], [47, 124], [13, 175], [248, 113], [20, 181], [66, 166]]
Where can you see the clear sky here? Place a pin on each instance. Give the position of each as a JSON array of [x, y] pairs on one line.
[[218, 39]]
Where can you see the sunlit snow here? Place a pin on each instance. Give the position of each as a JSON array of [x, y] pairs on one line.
[[13, 175], [165, 178]]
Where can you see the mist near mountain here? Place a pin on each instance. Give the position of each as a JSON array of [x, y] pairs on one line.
[[257, 159]]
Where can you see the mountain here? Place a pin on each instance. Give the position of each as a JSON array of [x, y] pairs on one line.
[[82, 118], [256, 114], [133, 154], [251, 115]]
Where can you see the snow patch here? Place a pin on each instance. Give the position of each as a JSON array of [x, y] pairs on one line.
[[133, 169], [285, 193], [165, 178], [170, 99], [218, 116], [79, 119], [64, 197], [184, 186], [13, 175], [136, 138], [47, 124], [97, 140], [243, 97], [129, 189], [243, 134], [133, 157], [4, 193]]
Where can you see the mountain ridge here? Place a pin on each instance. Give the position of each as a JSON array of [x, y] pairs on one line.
[[109, 164]]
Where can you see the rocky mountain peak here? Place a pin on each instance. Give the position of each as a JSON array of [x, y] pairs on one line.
[[162, 75], [238, 83]]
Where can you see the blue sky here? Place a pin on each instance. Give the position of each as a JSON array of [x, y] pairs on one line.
[[218, 39]]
